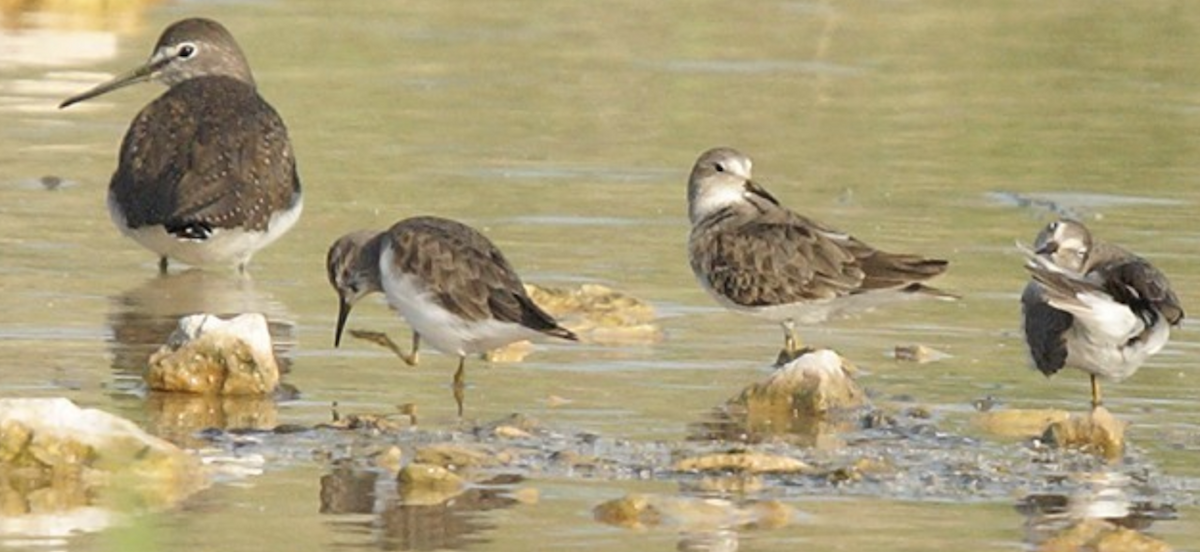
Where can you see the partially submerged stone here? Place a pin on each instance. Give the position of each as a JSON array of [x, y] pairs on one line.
[[1097, 432], [457, 457], [1018, 422], [1101, 536], [209, 355], [639, 511], [420, 483], [919, 354], [813, 384], [599, 314], [56, 457], [743, 461]]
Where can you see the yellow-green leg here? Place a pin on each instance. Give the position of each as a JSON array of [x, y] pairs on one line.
[[459, 385], [1095, 392]]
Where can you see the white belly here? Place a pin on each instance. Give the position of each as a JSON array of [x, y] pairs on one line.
[[438, 327], [226, 246], [809, 313]]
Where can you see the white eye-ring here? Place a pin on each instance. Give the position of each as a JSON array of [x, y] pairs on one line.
[[186, 50]]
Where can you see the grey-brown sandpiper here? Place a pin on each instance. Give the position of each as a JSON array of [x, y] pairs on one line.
[[756, 256], [448, 281]]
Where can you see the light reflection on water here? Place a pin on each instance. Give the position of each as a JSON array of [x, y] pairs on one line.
[[567, 132]]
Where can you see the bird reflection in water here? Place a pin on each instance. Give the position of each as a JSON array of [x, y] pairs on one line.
[[142, 317], [397, 523], [1100, 511]]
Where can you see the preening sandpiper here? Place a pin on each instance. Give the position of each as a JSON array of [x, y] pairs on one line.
[[1093, 306]]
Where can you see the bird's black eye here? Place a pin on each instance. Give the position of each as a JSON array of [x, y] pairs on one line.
[[186, 51], [720, 167]]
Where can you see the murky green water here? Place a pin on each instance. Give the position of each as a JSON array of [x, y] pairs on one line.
[[565, 131]]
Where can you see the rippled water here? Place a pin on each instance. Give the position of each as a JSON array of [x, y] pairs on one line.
[[565, 131]]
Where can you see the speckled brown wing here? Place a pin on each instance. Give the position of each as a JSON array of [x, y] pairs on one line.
[[467, 273], [770, 260], [209, 153], [776, 257]]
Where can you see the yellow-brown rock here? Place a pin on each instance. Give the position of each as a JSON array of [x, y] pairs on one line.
[[456, 457], [639, 511], [1019, 423], [1094, 535], [209, 355], [813, 384], [56, 457], [1097, 432], [746, 461], [420, 483], [599, 314]]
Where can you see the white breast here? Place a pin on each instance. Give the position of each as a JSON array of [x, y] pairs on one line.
[[440, 328]]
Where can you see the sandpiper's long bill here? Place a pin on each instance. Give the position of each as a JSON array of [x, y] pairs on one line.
[[448, 281], [1093, 306], [756, 256], [205, 173]]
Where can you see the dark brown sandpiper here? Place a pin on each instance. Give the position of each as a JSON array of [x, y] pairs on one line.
[[756, 256], [206, 173], [449, 282], [1093, 306]]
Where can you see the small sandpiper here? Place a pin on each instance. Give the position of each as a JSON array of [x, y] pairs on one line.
[[1093, 306], [206, 173], [449, 282], [756, 256]]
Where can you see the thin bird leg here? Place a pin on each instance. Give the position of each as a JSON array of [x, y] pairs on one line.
[[162, 265], [382, 339], [459, 385], [416, 344], [1095, 392]]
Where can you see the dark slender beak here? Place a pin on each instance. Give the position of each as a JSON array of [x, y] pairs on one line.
[[1049, 248], [754, 188], [141, 74], [343, 313]]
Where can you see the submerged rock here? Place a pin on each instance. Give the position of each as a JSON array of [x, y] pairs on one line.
[[639, 511], [1101, 536], [209, 355], [457, 457], [811, 399], [599, 314], [420, 483], [56, 457], [1019, 423], [743, 461], [919, 354], [1097, 432]]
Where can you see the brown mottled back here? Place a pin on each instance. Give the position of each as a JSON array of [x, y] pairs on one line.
[[209, 153], [466, 273]]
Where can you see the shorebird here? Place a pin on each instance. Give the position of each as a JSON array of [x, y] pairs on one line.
[[206, 173], [756, 256], [449, 282], [1093, 306]]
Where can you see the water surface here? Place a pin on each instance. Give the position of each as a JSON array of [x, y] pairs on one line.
[[565, 132]]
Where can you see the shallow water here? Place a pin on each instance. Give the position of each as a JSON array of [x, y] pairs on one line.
[[565, 132]]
